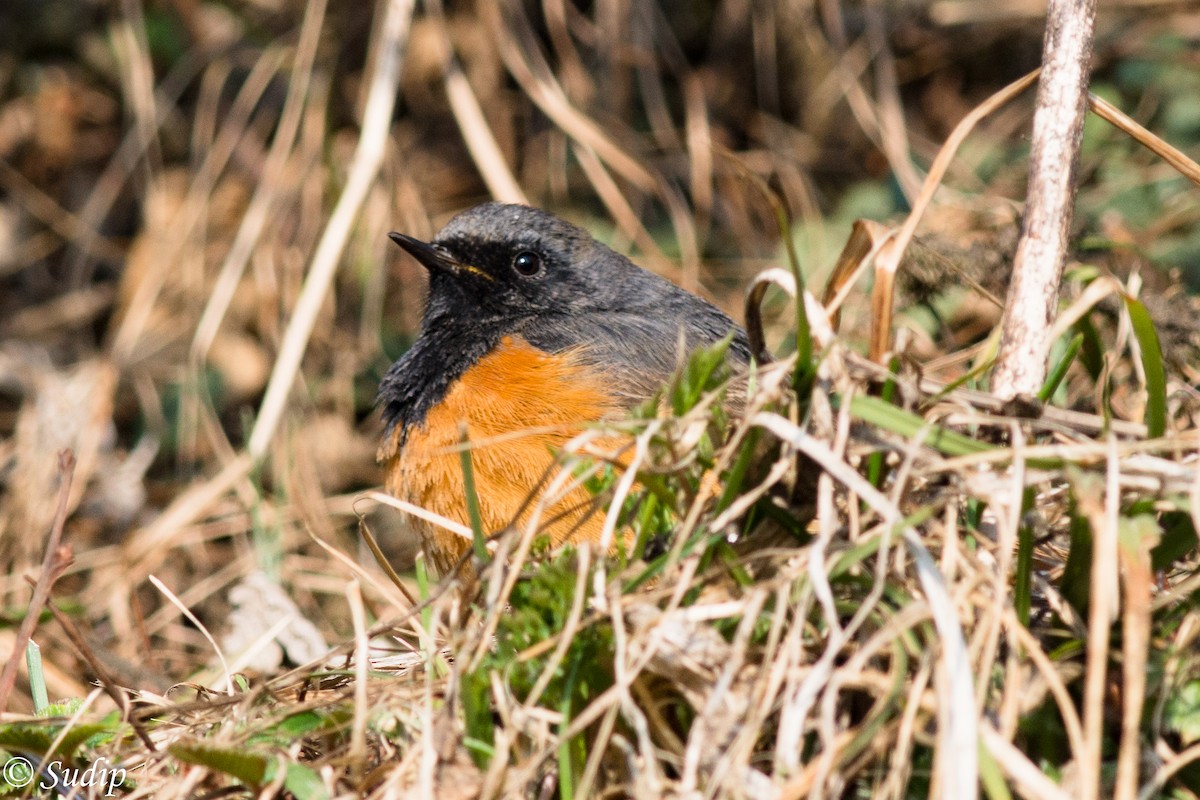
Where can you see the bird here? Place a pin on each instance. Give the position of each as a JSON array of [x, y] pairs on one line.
[[531, 330]]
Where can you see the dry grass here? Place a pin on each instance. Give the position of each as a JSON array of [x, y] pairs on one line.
[[198, 300]]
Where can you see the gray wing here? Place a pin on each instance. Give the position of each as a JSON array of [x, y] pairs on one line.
[[643, 347]]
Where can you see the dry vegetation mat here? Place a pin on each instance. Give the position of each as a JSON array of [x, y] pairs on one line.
[[979, 583]]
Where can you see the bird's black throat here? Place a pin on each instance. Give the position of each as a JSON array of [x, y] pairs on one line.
[[442, 354]]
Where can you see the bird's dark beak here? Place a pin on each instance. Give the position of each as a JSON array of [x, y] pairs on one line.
[[435, 258]]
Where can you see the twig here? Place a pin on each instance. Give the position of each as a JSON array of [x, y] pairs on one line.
[[136, 310], [891, 252], [357, 751], [472, 123], [1165, 150], [522, 56], [1101, 509], [174, 600], [958, 741], [65, 224], [1030, 780], [368, 157], [264, 202], [1054, 158], [106, 680], [1169, 767], [148, 547], [1136, 628], [54, 562]]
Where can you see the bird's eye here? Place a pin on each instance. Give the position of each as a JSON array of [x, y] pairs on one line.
[[527, 263]]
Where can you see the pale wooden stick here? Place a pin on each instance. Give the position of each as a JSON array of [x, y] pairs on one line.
[[368, 157], [1054, 158]]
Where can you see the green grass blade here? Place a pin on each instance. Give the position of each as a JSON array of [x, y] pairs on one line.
[[1023, 582], [883, 414], [1091, 356], [805, 368], [1060, 369], [477, 540], [1178, 539], [1152, 365], [37, 677], [302, 782], [249, 768], [876, 462], [737, 473], [568, 747], [423, 591], [991, 776], [805, 371]]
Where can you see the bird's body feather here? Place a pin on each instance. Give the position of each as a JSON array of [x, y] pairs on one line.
[[532, 330]]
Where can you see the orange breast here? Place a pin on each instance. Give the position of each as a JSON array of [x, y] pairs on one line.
[[520, 406]]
